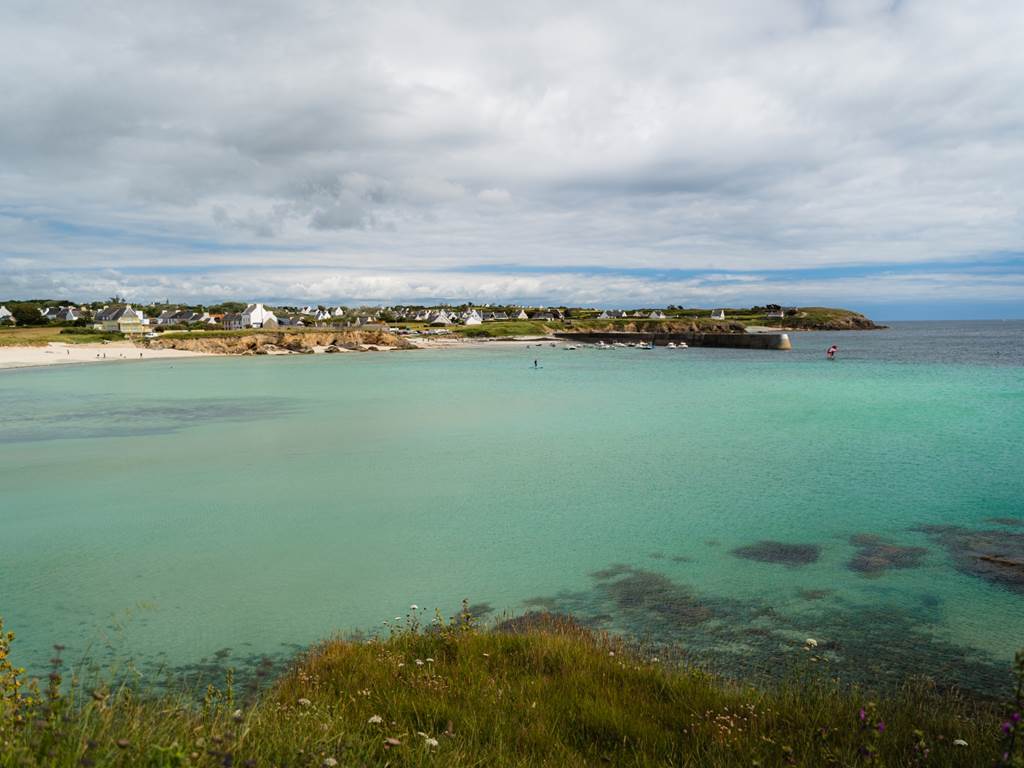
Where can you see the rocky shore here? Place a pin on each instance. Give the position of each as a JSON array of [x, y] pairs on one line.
[[282, 342]]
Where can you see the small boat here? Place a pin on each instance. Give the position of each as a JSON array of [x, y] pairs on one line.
[[683, 345], [602, 345], [670, 345], [571, 347], [645, 346]]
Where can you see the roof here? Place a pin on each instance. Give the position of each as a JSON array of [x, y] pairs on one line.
[[116, 312]]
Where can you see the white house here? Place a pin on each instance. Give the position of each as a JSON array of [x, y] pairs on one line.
[[472, 318], [522, 315], [5, 315], [718, 314], [657, 315], [441, 318], [257, 316], [338, 312]]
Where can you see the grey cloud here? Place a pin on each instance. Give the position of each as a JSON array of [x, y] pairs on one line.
[[697, 134]]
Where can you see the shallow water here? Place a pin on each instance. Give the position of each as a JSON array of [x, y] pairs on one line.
[[163, 512]]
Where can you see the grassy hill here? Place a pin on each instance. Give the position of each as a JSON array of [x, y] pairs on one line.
[[539, 691]]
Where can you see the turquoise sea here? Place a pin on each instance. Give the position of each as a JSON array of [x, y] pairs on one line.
[[215, 511]]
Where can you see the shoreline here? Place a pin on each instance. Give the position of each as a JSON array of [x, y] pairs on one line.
[[57, 354]]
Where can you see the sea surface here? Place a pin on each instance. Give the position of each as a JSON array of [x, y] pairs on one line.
[[178, 517]]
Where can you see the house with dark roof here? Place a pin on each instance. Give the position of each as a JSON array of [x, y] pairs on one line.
[[120, 318]]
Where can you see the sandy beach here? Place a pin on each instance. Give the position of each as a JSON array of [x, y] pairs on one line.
[[63, 354]]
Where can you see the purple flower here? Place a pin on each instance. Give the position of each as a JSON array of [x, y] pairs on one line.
[[881, 726], [863, 714], [1007, 727], [1015, 717]]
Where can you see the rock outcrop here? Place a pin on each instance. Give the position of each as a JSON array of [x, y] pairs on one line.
[[282, 342]]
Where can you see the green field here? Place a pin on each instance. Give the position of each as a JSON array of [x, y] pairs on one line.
[[41, 335], [543, 691]]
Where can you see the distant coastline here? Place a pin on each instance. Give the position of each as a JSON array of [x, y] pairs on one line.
[[52, 332]]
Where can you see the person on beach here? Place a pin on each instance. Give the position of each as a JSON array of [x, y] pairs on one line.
[[534, 363], [831, 352]]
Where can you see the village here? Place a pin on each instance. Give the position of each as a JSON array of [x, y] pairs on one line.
[[119, 316]]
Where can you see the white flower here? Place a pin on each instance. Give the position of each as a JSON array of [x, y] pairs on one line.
[[611, 653], [329, 762], [376, 720], [237, 715], [398, 618], [401, 664], [429, 660], [419, 662], [654, 660], [414, 607], [810, 642], [430, 742], [959, 743], [304, 702]]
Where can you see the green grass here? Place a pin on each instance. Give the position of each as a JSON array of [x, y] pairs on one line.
[[41, 335], [551, 694], [503, 328]]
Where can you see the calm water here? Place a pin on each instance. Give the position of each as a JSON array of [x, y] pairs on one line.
[[164, 512]]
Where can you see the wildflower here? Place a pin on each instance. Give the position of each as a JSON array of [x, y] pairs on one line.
[[611, 653], [376, 720], [1006, 727], [419, 662], [304, 702], [237, 715], [429, 660], [959, 743], [398, 618], [863, 714], [881, 726], [123, 743], [1015, 718], [391, 741], [431, 742], [414, 607], [329, 762], [810, 642]]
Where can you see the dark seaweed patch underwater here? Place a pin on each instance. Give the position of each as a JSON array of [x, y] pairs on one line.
[[877, 647], [793, 555]]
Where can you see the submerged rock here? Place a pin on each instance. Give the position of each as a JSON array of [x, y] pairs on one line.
[[875, 556], [996, 556], [792, 555]]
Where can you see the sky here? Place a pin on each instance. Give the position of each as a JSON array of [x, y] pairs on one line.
[[727, 152]]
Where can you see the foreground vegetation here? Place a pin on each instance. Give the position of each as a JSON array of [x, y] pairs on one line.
[[543, 691]]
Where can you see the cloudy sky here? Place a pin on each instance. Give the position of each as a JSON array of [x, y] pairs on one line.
[[726, 152]]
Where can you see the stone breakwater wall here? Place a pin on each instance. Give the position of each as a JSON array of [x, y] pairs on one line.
[[692, 338]]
